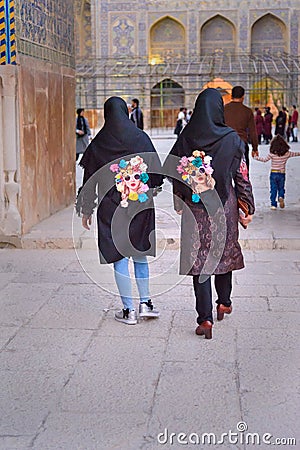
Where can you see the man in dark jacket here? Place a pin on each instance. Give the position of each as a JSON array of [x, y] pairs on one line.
[[136, 114], [241, 119]]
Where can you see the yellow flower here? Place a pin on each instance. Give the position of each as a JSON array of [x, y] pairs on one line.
[[133, 196], [196, 153], [184, 177]]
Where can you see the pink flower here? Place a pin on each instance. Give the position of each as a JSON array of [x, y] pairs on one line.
[[209, 170], [143, 188], [114, 168], [180, 169], [184, 161]]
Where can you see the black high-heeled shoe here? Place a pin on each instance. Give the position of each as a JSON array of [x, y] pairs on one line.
[[222, 309], [205, 328]]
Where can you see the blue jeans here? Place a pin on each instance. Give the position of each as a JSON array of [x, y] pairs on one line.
[[122, 277], [277, 182]]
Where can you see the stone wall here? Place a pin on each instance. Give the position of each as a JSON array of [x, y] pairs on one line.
[[37, 113], [47, 144]]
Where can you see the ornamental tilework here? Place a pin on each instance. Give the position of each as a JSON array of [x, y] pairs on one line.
[[7, 32], [294, 33], [193, 34], [45, 29], [123, 37]]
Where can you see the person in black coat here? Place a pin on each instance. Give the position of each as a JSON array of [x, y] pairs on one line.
[[206, 161], [136, 114], [122, 163]]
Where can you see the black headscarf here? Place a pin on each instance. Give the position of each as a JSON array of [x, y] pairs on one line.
[[207, 131], [121, 231], [118, 138], [81, 123]]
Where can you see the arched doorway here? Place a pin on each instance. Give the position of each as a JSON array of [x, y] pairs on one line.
[[167, 40], [222, 86], [217, 36], [167, 97], [268, 35]]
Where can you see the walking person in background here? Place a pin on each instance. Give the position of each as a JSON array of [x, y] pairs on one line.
[[268, 119], [279, 154], [288, 127], [294, 123], [136, 114], [130, 169], [241, 119], [259, 124], [181, 122], [280, 123], [83, 133], [212, 158]]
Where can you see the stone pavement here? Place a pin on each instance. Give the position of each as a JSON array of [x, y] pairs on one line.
[[73, 378], [269, 229]]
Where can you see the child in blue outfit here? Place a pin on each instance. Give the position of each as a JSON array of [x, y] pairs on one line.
[[279, 154]]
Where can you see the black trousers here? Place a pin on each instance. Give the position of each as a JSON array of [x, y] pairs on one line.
[[247, 155], [203, 294]]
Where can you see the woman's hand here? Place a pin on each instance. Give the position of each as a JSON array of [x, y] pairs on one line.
[[245, 220], [86, 222]]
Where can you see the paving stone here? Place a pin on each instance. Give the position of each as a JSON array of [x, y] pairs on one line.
[[192, 397], [18, 305], [29, 396], [42, 349], [267, 369], [185, 345], [52, 277], [120, 389], [266, 279], [274, 412], [264, 339], [282, 304], [6, 333], [15, 442], [69, 311], [110, 430]]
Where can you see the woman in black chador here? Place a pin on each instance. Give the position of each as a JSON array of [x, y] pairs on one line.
[[208, 156], [129, 170]]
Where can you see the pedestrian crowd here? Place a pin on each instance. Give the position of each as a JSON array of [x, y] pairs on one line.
[[208, 167]]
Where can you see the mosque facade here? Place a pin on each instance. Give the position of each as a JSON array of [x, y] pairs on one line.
[[165, 51]]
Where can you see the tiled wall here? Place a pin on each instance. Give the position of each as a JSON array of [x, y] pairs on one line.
[[45, 30], [7, 32]]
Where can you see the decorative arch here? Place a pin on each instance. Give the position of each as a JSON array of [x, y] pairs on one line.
[[83, 38], [167, 96], [167, 40], [268, 35], [218, 35]]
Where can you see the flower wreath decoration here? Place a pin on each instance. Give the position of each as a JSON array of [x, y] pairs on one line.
[[192, 170], [131, 180]]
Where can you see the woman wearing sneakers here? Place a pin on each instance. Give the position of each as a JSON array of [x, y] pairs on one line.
[[123, 165]]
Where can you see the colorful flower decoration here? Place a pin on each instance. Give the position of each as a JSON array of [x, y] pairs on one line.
[[131, 180], [192, 169]]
